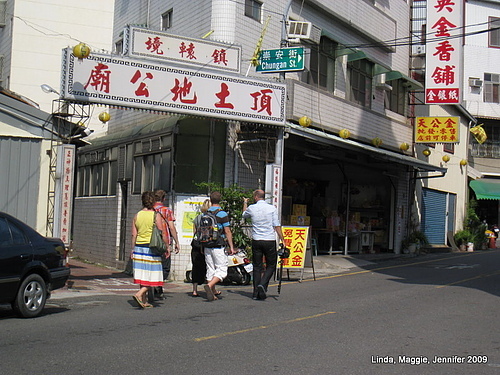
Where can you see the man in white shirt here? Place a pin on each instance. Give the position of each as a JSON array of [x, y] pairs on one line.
[[265, 226]]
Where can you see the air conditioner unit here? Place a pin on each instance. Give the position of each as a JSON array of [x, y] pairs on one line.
[[419, 49], [303, 31], [475, 82]]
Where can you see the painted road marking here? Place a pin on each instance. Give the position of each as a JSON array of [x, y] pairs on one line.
[[262, 327], [470, 279], [382, 268]]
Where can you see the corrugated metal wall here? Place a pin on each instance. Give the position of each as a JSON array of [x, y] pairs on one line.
[[20, 177]]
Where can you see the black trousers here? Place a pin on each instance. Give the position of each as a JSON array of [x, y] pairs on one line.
[[199, 270], [261, 249]]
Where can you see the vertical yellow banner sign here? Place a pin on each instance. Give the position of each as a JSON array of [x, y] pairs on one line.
[[296, 242]]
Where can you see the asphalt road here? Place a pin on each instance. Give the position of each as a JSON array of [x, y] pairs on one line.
[[389, 318]]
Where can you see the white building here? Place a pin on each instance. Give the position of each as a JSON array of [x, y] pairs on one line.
[[32, 36], [482, 98]]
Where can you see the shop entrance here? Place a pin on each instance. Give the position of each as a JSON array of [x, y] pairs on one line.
[[336, 191]]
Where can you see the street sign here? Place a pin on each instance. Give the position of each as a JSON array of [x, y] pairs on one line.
[[281, 60]]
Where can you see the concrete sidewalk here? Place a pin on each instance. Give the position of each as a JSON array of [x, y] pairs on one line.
[[88, 279], [93, 279]]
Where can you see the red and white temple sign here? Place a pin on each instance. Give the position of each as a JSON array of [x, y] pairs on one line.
[[125, 82], [150, 44]]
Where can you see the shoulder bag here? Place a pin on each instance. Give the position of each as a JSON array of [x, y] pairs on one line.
[[157, 245]]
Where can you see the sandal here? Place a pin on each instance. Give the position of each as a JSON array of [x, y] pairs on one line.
[[210, 293], [147, 305], [195, 295], [139, 302]]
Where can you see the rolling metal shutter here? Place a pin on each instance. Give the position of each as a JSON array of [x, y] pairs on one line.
[[434, 216]]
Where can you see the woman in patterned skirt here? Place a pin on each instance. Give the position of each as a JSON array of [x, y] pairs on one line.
[[148, 270]]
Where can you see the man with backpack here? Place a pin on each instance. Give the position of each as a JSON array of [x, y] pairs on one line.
[[213, 232]]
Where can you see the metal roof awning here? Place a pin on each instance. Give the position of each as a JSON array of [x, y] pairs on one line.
[[486, 188], [378, 68], [7, 130], [326, 138], [137, 131], [394, 74]]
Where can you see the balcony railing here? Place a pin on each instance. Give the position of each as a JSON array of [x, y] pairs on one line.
[[489, 149]]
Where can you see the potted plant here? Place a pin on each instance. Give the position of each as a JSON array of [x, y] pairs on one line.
[[473, 233], [463, 238], [414, 241]]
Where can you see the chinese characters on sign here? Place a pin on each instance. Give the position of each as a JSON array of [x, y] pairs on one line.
[[296, 242], [444, 52], [154, 86], [64, 192], [281, 60], [437, 129], [144, 43], [276, 176]]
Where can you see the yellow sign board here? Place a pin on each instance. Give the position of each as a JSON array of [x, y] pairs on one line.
[[296, 242], [437, 130]]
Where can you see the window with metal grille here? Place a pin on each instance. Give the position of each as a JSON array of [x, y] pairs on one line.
[[166, 19], [490, 148], [360, 74], [322, 64], [395, 99], [152, 172], [494, 34], [449, 147], [1, 70], [3, 12], [119, 47], [491, 88], [253, 9]]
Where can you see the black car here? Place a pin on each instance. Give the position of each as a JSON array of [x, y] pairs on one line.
[[31, 266]]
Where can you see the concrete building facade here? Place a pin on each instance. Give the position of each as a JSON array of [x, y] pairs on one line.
[[348, 175]]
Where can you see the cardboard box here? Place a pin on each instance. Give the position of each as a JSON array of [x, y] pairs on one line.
[[300, 220], [299, 209]]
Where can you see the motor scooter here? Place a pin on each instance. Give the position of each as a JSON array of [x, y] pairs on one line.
[[239, 268]]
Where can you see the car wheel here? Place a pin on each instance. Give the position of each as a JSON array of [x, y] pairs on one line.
[[31, 297]]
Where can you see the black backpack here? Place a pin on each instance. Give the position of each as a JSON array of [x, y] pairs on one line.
[[207, 232]]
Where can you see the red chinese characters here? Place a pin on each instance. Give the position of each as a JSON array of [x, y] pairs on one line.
[[142, 90], [188, 51], [220, 56], [181, 91], [437, 130], [262, 101], [99, 78], [443, 57], [222, 95], [153, 45]]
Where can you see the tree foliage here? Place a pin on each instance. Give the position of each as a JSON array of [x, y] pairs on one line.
[[232, 203]]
